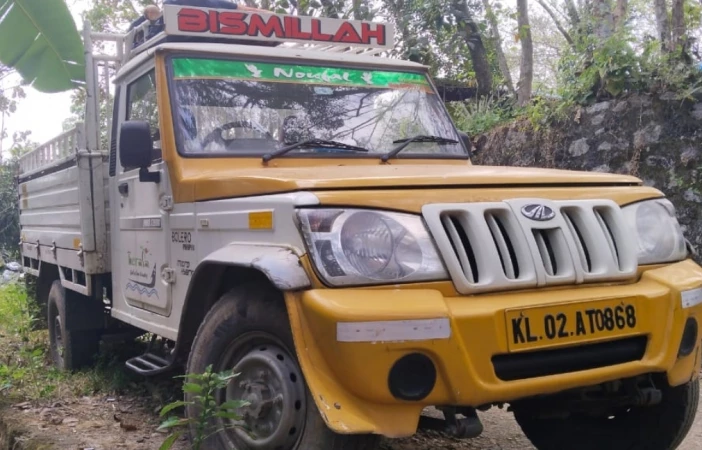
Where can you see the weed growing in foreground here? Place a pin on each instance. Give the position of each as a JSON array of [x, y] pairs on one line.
[[26, 370], [202, 388], [23, 370]]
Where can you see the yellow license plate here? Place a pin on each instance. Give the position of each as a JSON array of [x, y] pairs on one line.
[[536, 327]]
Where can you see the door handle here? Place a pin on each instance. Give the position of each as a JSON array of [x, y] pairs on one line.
[[123, 189]]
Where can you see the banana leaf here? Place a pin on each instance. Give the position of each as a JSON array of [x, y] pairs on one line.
[[39, 39]]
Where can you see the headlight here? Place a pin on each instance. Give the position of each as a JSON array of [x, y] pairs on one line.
[[352, 246], [658, 233]]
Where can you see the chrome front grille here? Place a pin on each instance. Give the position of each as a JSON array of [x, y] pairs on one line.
[[495, 246]]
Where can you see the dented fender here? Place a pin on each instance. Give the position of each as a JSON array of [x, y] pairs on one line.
[[280, 264]]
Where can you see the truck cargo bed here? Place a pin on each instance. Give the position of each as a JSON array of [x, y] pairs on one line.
[[64, 208]]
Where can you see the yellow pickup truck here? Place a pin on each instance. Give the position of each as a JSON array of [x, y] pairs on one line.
[[281, 200]]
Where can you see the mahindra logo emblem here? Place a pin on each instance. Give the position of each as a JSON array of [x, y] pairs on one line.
[[537, 212]]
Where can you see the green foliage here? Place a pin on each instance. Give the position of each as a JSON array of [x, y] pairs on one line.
[[40, 41], [594, 70], [22, 369], [478, 116], [202, 388], [26, 371], [9, 208]]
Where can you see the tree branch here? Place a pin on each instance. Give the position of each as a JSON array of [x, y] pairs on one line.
[[551, 13]]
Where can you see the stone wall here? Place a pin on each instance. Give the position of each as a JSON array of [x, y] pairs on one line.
[[656, 139]]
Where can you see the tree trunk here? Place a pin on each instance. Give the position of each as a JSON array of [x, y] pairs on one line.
[[621, 11], [662, 23], [560, 27], [603, 19], [679, 29], [526, 66], [572, 12], [469, 31], [501, 59]]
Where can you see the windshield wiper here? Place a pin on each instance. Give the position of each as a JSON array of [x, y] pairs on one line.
[[419, 138], [314, 142]]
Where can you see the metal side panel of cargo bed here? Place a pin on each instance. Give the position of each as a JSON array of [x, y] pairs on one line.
[[64, 209]]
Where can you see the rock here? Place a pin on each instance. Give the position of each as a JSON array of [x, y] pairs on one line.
[[697, 111], [597, 120], [598, 107], [690, 154], [579, 147], [692, 196], [69, 421], [23, 405], [620, 107], [668, 96], [604, 168], [644, 137], [659, 161], [599, 131], [641, 101], [605, 147]]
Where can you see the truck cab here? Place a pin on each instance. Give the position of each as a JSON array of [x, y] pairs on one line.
[[274, 197]]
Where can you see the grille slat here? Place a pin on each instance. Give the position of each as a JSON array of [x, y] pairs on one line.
[[462, 247], [583, 252], [505, 250], [546, 251], [495, 246], [608, 235]]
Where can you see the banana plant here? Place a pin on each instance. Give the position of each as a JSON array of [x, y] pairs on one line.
[[39, 39]]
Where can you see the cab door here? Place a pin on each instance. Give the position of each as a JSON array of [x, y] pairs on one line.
[[140, 248]]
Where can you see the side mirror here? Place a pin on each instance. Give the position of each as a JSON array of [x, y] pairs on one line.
[[135, 149], [467, 142]]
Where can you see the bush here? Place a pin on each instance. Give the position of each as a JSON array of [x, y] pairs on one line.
[[478, 116]]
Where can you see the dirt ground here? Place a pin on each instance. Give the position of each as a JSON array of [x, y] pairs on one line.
[[129, 423]]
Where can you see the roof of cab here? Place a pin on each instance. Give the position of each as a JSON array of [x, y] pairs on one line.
[[262, 51]]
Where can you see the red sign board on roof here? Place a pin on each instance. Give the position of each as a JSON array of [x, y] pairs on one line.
[[255, 25]]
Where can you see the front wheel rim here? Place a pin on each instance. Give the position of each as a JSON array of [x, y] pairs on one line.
[[271, 382]]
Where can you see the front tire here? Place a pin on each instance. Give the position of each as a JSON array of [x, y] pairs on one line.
[[70, 350], [658, 427], [248, 331]]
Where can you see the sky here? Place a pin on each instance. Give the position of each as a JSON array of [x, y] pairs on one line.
[[43, 114]]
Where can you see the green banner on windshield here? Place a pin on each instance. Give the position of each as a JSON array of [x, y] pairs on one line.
[[255, 71]]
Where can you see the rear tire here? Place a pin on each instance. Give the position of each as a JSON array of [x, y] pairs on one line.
[[70, 350], [248, 328], [658, 427]]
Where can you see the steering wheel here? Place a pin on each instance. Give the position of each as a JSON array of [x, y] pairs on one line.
[[216, 134]]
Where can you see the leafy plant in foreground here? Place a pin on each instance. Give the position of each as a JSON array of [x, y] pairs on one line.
[[203, 388]]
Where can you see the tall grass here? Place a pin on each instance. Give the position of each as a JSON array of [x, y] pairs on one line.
[[26, 370]]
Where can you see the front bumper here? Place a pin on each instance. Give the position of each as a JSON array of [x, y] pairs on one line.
[[349, 375]]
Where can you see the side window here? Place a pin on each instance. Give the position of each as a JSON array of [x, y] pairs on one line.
[[142, 105]]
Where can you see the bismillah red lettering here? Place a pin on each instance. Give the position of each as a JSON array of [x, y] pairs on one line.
[[287, 27]]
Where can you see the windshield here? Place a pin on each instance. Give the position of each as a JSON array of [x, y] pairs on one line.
[[252, 108]]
